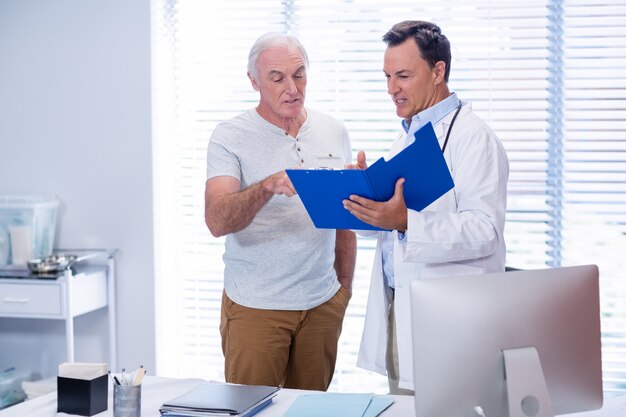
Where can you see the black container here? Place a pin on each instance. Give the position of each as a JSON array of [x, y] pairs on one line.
[[82, 397]]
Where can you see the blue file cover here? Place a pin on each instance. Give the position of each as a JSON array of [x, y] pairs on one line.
[[421, 164], [327, 404]]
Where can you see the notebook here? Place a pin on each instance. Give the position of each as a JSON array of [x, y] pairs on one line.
[[218, 399]]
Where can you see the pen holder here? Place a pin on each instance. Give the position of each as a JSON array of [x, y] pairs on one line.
[[126, 400], [82, 397]]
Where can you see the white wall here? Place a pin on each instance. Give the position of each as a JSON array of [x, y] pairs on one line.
[[75, 122]]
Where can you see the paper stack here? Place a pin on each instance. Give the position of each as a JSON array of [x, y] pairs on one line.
[[82, 370]]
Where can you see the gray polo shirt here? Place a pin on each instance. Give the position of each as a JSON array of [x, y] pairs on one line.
[[280, 261]]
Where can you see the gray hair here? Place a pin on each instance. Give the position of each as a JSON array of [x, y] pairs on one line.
[[268, 40]]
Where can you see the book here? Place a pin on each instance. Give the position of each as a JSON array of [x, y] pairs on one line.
[[421, 164], [212, 399]]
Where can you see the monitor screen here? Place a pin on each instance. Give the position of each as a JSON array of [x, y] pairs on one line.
[[465, 326]]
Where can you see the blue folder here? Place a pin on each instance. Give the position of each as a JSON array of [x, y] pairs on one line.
[[327, 404], [421, 164]]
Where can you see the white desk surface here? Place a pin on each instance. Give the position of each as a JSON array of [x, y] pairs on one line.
[[157, 390]]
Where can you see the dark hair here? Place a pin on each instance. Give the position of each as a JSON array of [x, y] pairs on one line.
[[431, 43]]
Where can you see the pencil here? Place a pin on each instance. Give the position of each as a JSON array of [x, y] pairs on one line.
[[139, 376]]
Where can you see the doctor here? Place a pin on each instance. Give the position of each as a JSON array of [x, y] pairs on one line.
[[459, 234]]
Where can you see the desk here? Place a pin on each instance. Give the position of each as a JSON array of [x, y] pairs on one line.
[[157, 390]]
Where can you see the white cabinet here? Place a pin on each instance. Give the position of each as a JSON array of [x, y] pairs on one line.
[[81, 290]]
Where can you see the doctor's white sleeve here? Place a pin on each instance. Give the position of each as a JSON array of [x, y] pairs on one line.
[[468, 221]]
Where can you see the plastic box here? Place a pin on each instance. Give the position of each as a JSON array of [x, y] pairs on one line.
[[27, 227], [11, 391]]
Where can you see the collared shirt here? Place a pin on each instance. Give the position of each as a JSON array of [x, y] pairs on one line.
[[434, 115]]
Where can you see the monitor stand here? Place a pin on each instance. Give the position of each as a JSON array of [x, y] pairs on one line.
[[525, 384]]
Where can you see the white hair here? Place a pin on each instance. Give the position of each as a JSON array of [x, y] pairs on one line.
[[268, 40]]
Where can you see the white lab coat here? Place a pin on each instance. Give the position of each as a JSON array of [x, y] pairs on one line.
[[459, 234]]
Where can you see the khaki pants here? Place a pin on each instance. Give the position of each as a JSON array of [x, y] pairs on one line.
[[292, 349]]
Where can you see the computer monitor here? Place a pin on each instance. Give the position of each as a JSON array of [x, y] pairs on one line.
[[465, 328]]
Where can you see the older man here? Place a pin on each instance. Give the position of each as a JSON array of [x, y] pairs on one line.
[[286, 283]]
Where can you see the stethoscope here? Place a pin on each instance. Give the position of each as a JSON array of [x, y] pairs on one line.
[[445, 142]]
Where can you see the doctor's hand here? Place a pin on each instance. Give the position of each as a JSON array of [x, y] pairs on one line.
[[390, 214], [360, 162]]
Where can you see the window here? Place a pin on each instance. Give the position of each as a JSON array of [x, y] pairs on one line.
[[546, 75]]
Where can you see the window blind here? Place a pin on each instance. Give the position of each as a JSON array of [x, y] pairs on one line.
[[593, 148], [200, 59], [546, 76]]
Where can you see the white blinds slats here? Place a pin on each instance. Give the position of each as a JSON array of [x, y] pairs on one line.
[[594, 162], [546, 75]]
